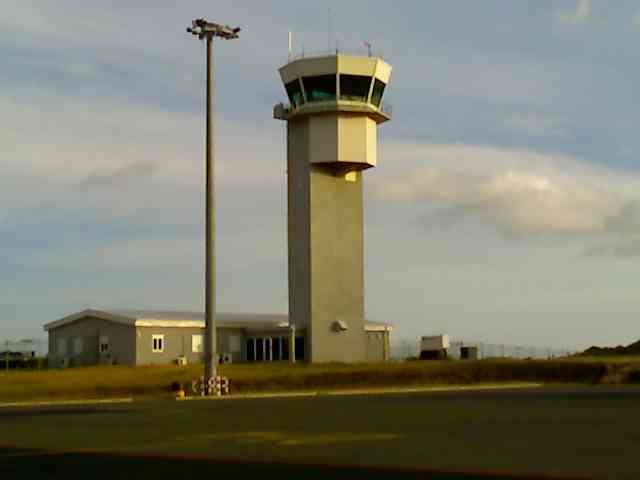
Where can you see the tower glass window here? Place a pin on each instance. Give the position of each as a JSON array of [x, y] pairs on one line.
[[378, 91], [354, 87], [321, 88], [295, 93]]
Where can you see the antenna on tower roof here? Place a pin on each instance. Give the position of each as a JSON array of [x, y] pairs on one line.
[[329, 29], [368, 45], [290, 44]]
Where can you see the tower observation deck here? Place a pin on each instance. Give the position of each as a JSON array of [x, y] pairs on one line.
[[335, 106]]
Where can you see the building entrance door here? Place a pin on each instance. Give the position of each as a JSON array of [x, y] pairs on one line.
[[268, 349], [259, 349]]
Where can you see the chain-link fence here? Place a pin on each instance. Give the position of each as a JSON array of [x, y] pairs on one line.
[[408, 349], [37, 345], [24, 353], [490, 350]]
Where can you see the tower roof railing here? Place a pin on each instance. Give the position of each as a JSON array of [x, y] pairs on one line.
[[361, 52]]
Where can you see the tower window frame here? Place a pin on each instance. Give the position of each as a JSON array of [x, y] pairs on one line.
[[320, 88], [377, 93], [294, 92], [355, 88]]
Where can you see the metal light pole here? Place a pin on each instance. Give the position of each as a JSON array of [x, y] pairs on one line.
[[205, 30]]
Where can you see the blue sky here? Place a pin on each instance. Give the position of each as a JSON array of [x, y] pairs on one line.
[[504, 207]]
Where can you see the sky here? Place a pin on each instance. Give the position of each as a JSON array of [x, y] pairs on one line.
[[505, 206]]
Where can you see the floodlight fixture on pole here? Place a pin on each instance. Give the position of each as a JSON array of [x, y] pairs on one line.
[[205, 30]]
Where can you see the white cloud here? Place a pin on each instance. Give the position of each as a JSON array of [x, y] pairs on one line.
[[127, 158], [496, 77], [580, 15], [518, 192], [132, 34], [165, 254], [118, 178], [536, 125]]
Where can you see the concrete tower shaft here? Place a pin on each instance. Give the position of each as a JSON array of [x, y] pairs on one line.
[[335, 107]]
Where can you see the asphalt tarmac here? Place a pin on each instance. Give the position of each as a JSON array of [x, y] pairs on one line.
[[575, 432]]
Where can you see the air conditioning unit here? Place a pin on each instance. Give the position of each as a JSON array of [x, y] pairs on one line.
[[181, 361], [434, 342], [226, 358]]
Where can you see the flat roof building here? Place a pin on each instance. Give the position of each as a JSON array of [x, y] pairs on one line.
[[146, 337]]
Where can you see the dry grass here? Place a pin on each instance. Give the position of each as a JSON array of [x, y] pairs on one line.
[[114, 381]]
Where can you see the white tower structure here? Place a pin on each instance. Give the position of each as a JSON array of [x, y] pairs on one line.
[[332, 121]]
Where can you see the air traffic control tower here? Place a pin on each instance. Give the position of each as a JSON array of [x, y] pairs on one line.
[[332, 121]]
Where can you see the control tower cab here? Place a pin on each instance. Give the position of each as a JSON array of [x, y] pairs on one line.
[[332, 119]]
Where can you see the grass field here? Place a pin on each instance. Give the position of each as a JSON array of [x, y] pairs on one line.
[[579, 431], [115, 381]]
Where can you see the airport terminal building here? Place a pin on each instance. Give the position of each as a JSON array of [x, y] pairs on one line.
[[147, 337], [332, 120]]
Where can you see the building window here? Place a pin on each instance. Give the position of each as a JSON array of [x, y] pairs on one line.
[[269, 349], [157, 343], [321, 88], [61, 347], [197, 343], [378, 91], [354, 87], [294, 92], [103, 345], [77, 346]]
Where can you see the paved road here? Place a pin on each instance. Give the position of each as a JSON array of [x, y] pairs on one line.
[[587, 432]]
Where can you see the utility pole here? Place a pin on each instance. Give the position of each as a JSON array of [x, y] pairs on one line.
[[205, 30], [6, 356]]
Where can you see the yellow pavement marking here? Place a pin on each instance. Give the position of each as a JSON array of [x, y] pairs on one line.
[[55, 403], [373, 391], [363, 391], [288, 438]]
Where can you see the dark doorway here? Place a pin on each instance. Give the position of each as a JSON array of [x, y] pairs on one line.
[[259, 349], [275, 349], [251, 350], [300, 348]]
